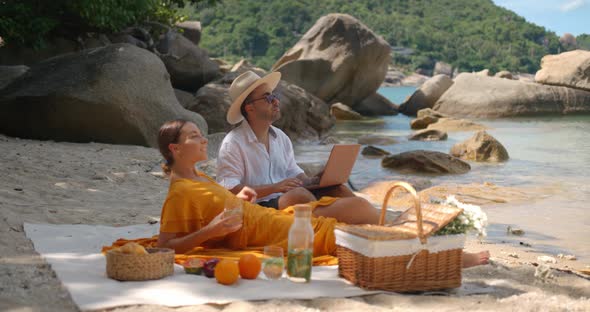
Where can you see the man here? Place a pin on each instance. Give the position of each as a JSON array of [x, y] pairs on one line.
[[259, 155]]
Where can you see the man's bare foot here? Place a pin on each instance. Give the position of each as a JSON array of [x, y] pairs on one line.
[[474, 259]]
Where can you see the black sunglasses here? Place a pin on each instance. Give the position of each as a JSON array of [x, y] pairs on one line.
[[268, 97]]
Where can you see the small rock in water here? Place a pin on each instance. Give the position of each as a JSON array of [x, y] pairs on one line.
[[511, 231], [546, 259], [567, 257], [543, 272], [525, 244], [374, 151]]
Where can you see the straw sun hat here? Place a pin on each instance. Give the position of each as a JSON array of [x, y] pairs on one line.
[[242, 86]]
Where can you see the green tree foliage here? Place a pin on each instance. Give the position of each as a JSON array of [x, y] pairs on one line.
[[583, 41], [31, 22], [470, 34]]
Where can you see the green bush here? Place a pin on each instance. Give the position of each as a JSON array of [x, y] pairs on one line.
[[32, 22]]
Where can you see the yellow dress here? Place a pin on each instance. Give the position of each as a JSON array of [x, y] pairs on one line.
[[190, 205]]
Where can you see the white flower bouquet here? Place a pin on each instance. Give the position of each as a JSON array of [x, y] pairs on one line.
[[472, 219]]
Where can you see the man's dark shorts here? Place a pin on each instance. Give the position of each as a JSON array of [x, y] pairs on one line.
[[273, 203]]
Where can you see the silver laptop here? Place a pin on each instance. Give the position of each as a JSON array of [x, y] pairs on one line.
[[338, 167]]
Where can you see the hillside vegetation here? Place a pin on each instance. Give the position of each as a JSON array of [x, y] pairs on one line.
[[469, 34]]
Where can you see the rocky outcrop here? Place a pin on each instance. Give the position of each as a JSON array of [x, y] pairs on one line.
[[480, 147], [212, 101], [430, 112], [421, 161], [454, 124], [442, 68], [376, 105], [374, 139], [10, 73], [428, 135], [414, 80], [393, 78], [423, 122], [191, 30], [372, 151], [478, 96], [569, 69], [484, 72], [343, 112], [426, 95], [118, 94], [338, 60], [504, 74], [304, 116], [185, 99], [189, 66]]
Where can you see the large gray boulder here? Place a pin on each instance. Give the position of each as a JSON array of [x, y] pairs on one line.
[[504, 74], [422, 122], [569, 69], [117, 94], [472, 95], [343, 112], [442, 68], [303, 116], [339, 59], [189, 66], [426, 95], [191, 30], [186, 99], [376, 105], [455, 124], [480, 147], [10, 73], [422, 161], [212, 102], [428, 135]]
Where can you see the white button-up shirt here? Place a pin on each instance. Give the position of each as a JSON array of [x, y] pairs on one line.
[[244, 160]]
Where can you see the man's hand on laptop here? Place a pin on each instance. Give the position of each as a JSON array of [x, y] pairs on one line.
[[312, 181], [288, 184]]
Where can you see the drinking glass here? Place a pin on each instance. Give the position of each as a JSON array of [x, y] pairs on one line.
[[233, 206], [273, 263]]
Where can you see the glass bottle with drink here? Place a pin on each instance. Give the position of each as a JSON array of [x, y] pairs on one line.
[[300, 254]]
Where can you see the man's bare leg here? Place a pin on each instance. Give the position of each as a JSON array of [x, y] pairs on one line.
[[334, 191], [298, 195]]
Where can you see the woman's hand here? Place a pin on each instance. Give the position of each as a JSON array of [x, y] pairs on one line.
[[247, 194], [222, 225]]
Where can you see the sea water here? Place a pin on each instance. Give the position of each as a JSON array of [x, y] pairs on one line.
[[548, 154]]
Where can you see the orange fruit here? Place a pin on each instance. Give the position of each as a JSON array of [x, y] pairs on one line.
[[227, 272], [250, 266]]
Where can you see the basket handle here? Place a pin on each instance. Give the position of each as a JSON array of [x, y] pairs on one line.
[[406, 186]]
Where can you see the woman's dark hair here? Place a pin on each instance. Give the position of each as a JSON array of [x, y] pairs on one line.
[[169, 133]]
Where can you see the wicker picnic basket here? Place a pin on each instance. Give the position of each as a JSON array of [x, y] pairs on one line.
[[156, 264], [401, 257]]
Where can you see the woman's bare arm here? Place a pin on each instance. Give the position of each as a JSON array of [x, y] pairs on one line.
[[218, 227]]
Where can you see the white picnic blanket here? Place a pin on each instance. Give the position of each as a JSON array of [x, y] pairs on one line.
[[74, 254]]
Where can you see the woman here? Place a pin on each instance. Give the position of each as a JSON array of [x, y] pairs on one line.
[[192, 214]]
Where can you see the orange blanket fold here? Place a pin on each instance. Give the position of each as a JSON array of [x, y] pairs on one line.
[[203, 253]]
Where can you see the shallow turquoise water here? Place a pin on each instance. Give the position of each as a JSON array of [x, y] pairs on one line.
[[545, 153]]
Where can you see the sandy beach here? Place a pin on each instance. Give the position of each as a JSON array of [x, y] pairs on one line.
[[69, 183]]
